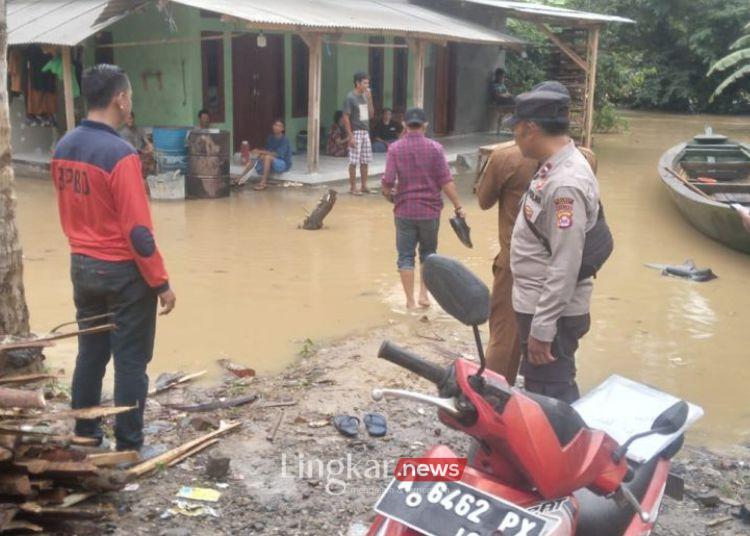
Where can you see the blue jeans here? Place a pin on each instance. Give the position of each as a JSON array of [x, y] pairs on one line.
[[277, 166], [413, 233], [101, 287]]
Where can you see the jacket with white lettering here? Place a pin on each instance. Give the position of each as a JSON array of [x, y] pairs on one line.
[[102, 201]]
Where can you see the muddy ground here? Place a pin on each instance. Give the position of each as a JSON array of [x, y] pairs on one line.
[[266, 492]]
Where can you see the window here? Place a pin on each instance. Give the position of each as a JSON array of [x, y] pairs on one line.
[[212, 53], [377, 68], [300, 76], [104, 54], [400, 75]]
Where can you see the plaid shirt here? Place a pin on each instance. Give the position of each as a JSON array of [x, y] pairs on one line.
[[417, 167]]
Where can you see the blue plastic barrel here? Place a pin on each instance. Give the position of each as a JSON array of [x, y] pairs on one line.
[[170, 148]]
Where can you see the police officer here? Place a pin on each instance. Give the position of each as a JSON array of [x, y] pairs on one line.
[[559, 208]]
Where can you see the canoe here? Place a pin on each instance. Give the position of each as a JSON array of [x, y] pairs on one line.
[[704, 177]]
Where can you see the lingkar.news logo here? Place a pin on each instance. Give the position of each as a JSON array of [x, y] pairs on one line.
[[430, 469]]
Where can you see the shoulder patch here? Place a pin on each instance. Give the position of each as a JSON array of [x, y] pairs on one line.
[[564, 212]]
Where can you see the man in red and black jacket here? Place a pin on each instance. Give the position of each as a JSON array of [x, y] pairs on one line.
[[116, 267]]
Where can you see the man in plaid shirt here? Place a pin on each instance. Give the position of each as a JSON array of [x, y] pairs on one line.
[[416, 172]]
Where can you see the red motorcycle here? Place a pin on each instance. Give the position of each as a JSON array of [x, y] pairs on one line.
[[536, 468]]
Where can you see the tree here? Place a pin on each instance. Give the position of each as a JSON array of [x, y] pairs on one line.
[[739, 56], [14, 315]]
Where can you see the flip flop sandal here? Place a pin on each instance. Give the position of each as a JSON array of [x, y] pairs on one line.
[[375, 424], [347, 425], [355, 192]]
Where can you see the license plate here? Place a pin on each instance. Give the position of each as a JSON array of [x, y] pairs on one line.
[[455, 509]]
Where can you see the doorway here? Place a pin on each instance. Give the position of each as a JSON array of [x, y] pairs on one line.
[[257, 87], [445, 90]]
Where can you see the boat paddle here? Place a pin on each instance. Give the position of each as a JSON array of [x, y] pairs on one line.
[[687, 183]]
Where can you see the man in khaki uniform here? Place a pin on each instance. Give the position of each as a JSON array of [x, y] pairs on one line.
[[559, 208], [505, 180]]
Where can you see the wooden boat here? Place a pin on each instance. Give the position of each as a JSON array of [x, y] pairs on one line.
[[705, 177]]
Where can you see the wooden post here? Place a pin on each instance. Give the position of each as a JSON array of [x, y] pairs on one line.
[[418, 47], [593, 52], [315, 45], [70, 117]]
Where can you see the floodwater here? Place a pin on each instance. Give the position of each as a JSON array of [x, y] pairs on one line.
[[254, 288]]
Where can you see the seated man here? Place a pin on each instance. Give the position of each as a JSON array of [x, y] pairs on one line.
[[385, 132], [276, 157], [140, 142], [204, 119], [499, 94], [338, 141]]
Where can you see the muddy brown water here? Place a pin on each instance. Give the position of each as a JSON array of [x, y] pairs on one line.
[[254, 288]]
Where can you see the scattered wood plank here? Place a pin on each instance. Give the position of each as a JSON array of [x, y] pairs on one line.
[[75, 498], [27, 378], [211, 406], [84, 413], [22, 526], [7, 513], [38, 467], [19, 398], [314, 221], [272, 435], [61, 512], [8, 431], [164, 459], [11, 484], [113, 458], [177, 381], [279, 404], [192, 452], [48, 341], [5, 454]]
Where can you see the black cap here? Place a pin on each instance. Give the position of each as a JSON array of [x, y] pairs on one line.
[[548, 101], [415, 116]]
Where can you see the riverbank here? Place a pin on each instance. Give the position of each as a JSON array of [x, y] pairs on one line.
[[310, 480]]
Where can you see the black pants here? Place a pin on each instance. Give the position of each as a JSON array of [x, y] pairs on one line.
[[101, 287], [557, 379]]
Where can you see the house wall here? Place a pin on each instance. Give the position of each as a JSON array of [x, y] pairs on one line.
[[475, 64], [177, 103]]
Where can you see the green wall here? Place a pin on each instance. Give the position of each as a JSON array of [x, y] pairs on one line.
[[177, 103]]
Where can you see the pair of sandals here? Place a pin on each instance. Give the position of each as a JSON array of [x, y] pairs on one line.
[[348, 425]]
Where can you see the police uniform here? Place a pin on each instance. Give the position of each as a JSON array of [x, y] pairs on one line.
[[551, 304], [504, 182]]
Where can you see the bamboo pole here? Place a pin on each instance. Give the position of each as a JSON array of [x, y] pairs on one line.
[[70, 114], [593, 53]]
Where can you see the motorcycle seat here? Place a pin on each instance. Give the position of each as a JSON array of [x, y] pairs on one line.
[[600, 516]]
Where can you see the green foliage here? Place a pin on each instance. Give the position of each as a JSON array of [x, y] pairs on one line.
[[528, 68], [661, 62], [607, 120]]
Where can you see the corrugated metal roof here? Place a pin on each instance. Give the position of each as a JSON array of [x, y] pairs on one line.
[[396, 17], [524, 10], [62, 22]]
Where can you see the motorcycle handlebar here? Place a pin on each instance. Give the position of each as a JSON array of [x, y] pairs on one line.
[[414, 363]]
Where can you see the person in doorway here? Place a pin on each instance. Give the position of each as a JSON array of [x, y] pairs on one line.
[[338, 141], [358, 109], [416, 172], [116, 267], [137, 138], [505, 180], [385, 132], [204, 119], [559, 208], [499, 93], [276, 157]]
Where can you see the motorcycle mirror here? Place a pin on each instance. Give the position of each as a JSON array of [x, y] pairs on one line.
[[461, 293], [671, 419]]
